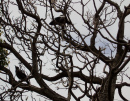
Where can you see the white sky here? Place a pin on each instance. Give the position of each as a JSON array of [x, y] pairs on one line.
[[78, 23]]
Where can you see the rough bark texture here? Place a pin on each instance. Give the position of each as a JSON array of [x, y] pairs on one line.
[[107, 91]]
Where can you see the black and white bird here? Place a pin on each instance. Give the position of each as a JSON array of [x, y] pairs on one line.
[[61, 20], [20, 74]]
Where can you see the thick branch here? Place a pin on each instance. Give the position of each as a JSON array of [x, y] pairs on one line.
[[87, 79], [30, 14], [119, 86]]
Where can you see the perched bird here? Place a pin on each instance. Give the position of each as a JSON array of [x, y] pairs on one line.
[[20, 74], [61, 20]]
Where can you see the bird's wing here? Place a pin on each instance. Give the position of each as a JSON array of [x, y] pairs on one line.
[[20, 74], [52, 22], [23, 74], [57, 18], [55, 21]]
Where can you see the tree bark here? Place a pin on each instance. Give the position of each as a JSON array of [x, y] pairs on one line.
[[107, 90]]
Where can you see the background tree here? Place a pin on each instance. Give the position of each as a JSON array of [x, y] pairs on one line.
[[75, 55], [3, 52], [4, 60], [3, 56]]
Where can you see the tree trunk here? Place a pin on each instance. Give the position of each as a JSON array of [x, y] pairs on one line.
[[107, 90]]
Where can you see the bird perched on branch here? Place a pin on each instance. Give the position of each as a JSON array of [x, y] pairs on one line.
[[61, 20], [20, 74]]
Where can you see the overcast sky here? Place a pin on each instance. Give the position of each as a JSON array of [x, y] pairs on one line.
[[78, 23]]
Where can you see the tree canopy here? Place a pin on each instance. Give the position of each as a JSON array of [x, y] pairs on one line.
[[86, 58]]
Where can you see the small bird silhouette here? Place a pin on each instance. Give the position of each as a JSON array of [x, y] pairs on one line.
[[20, 74], [60, 20]]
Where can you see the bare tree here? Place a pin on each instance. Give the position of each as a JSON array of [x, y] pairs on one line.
[[73, 53]]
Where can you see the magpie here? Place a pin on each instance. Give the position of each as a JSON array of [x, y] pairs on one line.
[[61, 20], [20, 74]]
